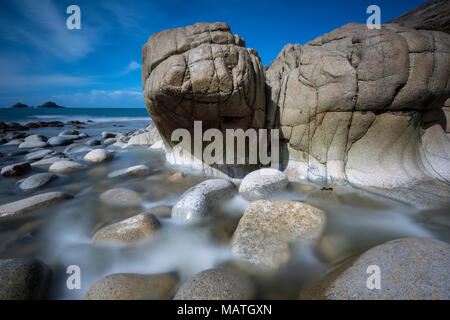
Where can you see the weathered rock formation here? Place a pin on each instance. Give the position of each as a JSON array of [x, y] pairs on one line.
[[364, 106], [202, 72], [432, 15], [354, 106]]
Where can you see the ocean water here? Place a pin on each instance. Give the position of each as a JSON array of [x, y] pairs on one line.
[[24, 116]]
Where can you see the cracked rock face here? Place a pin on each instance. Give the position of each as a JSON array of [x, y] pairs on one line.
[[356, 105], [202, 72]]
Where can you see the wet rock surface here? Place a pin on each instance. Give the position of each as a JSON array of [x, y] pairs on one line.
[[65, 166], [127, 286], [137, 170], [25, 205], [216, 284], [262, 184], [36, 181], [16, 169], [48, 161], [60, 140], [195, 203], [93, 142], [129, 230], [23, 279], [98, 155], [121, 197], [409, 269], [34, 141], [268, 227], [38, 155], [146, 138]]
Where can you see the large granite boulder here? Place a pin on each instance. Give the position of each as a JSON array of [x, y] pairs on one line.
[[365, 107], [268, 228], [409, 269], [202, 72]]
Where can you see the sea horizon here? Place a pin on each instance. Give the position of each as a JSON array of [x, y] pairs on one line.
[[100, 114]]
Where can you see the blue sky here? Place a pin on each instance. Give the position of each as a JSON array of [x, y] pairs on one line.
[[100, 65]]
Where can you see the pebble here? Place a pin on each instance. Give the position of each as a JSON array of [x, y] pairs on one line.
[[48, 161], [216, 284], [198, 201], [130, 230], [131, 171], [106, 135], [121, 197], [36, 137], [36, 181], [93, 142], [16, 169], [14, 142], [262, 184], [25, 205], [109, 141], [132, 286], [76, 148], [38, 155], [69, 132], [60, 141], [65, 166], [98, 155], [33, 144]]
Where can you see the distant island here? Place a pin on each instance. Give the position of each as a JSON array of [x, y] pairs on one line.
[[47, 105]]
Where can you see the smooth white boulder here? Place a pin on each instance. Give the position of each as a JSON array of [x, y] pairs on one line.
[[262, 184], [98, 155]]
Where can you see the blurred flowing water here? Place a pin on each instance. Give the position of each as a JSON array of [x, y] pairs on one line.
[[60, 235]]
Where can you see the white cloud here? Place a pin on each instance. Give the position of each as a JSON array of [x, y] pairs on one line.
[[27, 83], [44, 27], [133, 65], [113, 98]]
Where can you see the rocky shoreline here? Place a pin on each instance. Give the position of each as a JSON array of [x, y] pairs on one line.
[[260, 243]]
